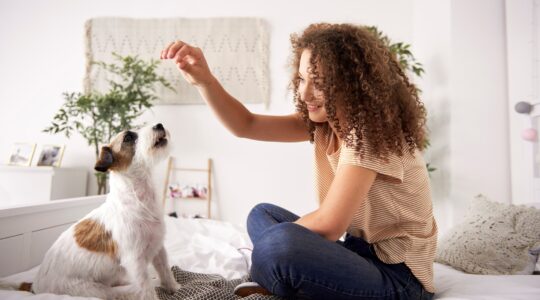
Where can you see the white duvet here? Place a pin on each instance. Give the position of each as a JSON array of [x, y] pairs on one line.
[[209, 246]]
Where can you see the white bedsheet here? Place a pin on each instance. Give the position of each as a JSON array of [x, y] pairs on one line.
[[452, 284], [210, 246]]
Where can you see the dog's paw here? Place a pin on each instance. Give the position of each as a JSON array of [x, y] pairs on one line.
[[170, 287], [169, 284]]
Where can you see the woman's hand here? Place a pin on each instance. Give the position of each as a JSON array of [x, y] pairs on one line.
[[190, 61]]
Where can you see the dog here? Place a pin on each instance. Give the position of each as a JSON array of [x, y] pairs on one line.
[[106, 254]]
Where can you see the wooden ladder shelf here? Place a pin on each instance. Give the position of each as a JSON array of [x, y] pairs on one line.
[[172, 167]]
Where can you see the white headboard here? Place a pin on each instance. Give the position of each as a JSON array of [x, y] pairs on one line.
[[27, 232]]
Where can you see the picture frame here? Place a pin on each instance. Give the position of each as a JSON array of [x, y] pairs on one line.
[[51, 155], [22, 154]]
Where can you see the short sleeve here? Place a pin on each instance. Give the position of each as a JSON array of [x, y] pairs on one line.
[[391, 169]]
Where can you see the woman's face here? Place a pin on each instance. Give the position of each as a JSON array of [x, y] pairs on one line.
[[313, 98]]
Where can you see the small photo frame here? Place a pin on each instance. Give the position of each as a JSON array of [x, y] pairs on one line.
[[21, 154], [51, 155]]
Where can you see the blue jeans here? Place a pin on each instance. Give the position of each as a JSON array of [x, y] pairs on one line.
[[295, 263]]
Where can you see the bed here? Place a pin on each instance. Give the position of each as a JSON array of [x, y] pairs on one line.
[[198, 245]]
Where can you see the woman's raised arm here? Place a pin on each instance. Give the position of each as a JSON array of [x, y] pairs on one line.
[[233, 114]]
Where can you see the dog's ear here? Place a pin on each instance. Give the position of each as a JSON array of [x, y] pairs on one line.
[[105, 159]]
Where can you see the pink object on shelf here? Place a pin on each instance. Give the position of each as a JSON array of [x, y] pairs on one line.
[[529, 134]]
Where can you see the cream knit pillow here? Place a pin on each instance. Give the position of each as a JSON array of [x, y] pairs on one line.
[[495, 238]]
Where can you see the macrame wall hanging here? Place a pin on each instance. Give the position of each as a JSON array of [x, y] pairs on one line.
[[236, 50]]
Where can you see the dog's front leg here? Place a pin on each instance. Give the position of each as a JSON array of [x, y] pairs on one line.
[[162, 267], [137, 271]]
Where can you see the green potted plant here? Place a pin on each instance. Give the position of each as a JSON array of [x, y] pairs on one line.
[[99, 116]]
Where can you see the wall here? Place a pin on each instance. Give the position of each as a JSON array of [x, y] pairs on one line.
[[523, 50], [461, 44], [479, 136], [42, 55], [432, 47]]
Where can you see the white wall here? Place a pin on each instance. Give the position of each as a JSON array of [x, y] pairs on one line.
[[523, 40], [432, 47], [42, 55], [479, 138], [461, 44]]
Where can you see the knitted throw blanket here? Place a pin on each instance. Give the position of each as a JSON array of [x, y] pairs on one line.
[[196, 286]]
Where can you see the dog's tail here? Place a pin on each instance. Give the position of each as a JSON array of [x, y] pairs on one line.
[[24, 286]]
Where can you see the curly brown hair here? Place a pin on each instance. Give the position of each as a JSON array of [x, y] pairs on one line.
[[369, 97]]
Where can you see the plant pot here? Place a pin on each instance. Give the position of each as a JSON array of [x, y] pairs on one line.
[[102, 182]]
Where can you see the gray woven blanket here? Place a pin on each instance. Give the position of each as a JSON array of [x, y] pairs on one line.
[[197, 286]]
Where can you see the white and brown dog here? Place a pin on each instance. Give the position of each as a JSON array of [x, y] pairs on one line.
[[107, 253]]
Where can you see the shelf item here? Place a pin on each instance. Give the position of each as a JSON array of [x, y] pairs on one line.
[[173, 167], [24, 185]]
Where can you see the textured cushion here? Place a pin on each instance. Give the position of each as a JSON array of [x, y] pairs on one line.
[[495, 238]]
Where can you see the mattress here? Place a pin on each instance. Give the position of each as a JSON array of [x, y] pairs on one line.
[[209, 246]]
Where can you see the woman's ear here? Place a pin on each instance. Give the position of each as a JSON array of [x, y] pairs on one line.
[[105, 159]]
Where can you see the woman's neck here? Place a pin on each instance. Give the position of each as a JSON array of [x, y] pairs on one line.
[[335, 133]]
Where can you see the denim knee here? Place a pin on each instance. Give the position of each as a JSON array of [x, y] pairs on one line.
[[274, 253], [257, 210], [277, 246], [255, 214]]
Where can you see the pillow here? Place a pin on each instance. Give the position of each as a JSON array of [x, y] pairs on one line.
[[495, 238]]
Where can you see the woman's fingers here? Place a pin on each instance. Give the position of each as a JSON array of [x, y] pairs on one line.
[[163, 54], [173, 49], [190, 60], [185, 53], [183, 65]]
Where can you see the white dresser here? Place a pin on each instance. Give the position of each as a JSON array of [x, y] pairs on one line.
[[29, 185]]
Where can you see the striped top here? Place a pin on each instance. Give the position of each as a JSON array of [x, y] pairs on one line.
[[396, 217]]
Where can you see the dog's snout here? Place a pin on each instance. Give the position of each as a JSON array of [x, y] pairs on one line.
[[158, 126]]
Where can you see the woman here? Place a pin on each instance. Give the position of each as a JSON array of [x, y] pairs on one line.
[[367, 124]]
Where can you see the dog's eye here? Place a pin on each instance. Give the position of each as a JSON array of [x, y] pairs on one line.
[[128, 137]]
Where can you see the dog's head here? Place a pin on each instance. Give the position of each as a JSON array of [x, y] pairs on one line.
[[133, 150]]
